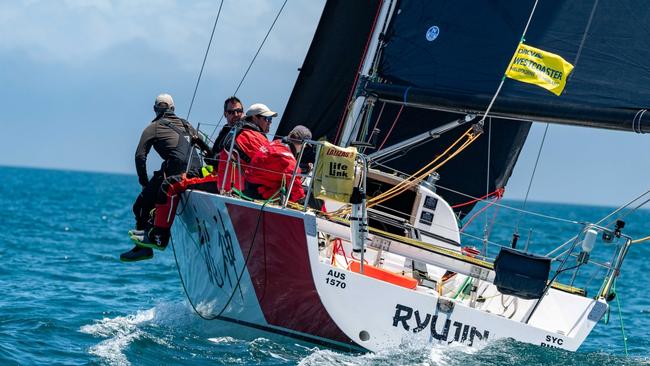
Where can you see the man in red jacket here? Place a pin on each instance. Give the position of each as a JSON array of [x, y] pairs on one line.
[[273, 165]]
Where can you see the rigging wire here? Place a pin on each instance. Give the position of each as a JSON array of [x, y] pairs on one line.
[[532, 213], [487, 189], [532, 176], [205, 57], [399, 113], [374, 128], [599, 222], [584, 38], [250, 65], [260, 47], [503, 79], [539, 152]]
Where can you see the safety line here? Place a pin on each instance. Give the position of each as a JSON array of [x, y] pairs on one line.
[[620, 317], [636, 241], [497, 204]]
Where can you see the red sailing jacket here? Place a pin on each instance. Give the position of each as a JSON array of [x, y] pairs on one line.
[[247, 143], [269, 166]]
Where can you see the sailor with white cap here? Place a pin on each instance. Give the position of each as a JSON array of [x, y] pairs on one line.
[[260, 115]]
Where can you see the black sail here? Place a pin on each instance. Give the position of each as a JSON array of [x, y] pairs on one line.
[[468, 173], [459, 64], [326, 78]]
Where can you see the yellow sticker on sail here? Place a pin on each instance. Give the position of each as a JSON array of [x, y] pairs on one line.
[[534, 66], [334, 174]]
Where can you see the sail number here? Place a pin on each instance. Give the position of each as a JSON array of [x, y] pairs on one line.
[[335, 278]]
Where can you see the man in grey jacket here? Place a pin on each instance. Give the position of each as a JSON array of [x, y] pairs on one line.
[[171, 137]]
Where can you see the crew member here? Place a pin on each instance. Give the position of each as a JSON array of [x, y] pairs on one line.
[[273, 166], [233, 111], [248, 141], [170, 136], [250, 136], [166, 203]]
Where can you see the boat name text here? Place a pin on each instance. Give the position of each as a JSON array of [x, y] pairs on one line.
[[417, 322], [220, 258]]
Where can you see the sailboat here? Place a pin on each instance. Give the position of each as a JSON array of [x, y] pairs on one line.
[[411, 84]]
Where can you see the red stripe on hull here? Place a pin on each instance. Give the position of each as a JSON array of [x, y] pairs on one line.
[[280, 271]]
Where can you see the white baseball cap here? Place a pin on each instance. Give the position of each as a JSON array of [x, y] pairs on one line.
[[165, 99], [260, 109]]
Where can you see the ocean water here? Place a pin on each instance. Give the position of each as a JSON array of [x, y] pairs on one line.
[[67, 299]]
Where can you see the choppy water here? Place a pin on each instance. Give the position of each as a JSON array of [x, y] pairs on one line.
[[67, 299]]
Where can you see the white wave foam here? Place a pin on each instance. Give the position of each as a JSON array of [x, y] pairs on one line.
[[276, 356], [121, 332], [223, 340], [110, 350], [408, 352], [108, 327]]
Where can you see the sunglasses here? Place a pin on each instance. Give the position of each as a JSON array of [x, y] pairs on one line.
[[235, 111], [268, 119]]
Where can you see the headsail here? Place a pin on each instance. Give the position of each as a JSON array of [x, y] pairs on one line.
[[451, 55], [327, 76]]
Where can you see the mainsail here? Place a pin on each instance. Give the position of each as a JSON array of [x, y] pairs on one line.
[[452, 55]]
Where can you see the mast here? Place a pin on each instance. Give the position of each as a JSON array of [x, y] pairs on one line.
[[349, 127], [328, 73]]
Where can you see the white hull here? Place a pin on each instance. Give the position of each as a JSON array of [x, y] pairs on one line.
[[266, 270]]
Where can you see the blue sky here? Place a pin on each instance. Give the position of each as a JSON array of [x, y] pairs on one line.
[[79, 77]]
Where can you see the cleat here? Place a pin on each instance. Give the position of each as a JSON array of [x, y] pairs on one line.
[[136, 254]]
